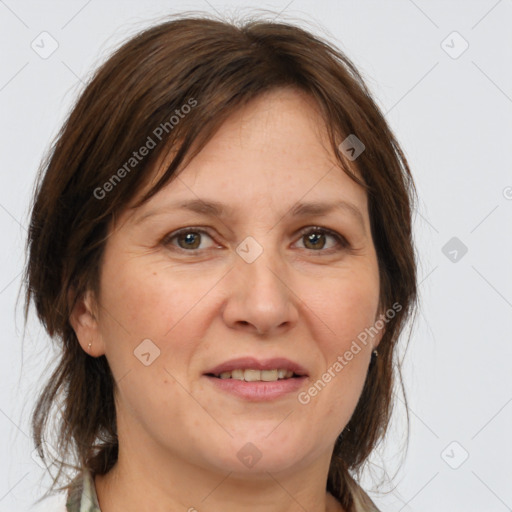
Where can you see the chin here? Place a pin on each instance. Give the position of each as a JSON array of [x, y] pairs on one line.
[[251, 455]]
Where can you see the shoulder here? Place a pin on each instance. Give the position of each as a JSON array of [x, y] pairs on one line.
[[363, 502], [82, 495]]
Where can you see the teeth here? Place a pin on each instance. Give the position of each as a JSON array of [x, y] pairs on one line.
[[269, 375], [237, 374], [252, 375], [257, 375]]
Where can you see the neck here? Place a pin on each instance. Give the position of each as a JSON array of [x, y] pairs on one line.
[[155, 480]]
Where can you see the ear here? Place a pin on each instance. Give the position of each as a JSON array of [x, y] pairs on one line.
[[84, 319], [380, 324]]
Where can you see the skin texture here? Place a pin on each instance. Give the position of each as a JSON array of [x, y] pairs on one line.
[[302, 299]]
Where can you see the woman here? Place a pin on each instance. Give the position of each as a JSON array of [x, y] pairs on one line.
[[221, 242]]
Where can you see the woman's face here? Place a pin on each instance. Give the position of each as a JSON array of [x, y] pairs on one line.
[[254, 282]]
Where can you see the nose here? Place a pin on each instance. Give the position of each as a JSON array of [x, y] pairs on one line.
[[260, 297]]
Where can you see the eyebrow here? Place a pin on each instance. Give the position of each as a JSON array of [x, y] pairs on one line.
[[216, 209]]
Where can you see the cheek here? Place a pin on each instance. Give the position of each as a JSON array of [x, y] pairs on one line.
[[350, 315], [163, 305], [351, 307], [146, 302]]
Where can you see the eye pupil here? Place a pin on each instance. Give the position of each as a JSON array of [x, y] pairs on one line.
[[314, 237], [189, 237]]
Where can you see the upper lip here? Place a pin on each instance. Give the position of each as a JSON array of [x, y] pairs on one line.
[[258, 364]]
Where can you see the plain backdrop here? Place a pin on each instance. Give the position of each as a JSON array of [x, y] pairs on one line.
[[441, 71]]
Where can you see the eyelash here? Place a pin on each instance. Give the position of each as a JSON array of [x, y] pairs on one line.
[[342, 242]]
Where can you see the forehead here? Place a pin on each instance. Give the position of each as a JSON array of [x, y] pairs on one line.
[[273, 150]]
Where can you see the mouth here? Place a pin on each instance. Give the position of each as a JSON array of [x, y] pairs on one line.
[[252, 375], [252, 369], [258, 380]]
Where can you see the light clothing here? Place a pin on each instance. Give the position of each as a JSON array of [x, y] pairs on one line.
[[83, 498]]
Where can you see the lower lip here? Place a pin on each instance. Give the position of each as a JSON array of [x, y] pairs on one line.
[[258, 391]]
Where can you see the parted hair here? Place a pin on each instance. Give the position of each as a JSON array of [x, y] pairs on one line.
[[215, 67]]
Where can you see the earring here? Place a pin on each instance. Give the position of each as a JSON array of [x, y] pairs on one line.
[[89, 347], [375, 353], [373, 357]]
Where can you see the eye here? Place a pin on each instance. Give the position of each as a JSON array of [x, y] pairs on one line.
[[315, 239], [188, 239]]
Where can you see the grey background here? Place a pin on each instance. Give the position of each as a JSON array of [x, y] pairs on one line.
[[452, 115]]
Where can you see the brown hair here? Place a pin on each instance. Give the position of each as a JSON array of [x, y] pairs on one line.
[[215, 67]]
